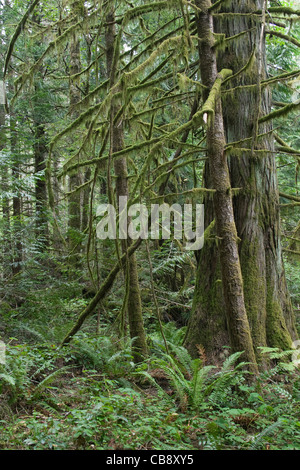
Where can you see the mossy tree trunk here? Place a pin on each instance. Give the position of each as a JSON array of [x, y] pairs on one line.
[[6, 234], [74, 202], [256, 205], [134, 304], [17, 200], [231, 277], [40, 156]]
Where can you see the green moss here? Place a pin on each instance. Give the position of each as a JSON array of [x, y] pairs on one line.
[[254, 291], [277, 333], [207, 325]]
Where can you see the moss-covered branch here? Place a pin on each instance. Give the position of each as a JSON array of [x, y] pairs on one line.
[[280, 112], [209, 106], [284, 147], [286, 37], [290, 197], [21, 81], [102, 292], [190, 192], [17, 33], [223, 40], [282, 10]]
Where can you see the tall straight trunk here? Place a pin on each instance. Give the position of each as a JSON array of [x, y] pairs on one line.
[[74, 209], [40, 156], [236, 316], [16, 256], [134, 304], [87, 173], [256, 205], [17, 201], [6, 234]]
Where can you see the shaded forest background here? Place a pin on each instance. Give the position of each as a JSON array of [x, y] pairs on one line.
[[112, 344]]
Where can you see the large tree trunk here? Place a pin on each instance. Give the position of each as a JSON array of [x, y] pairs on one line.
[[134, 305], [256, 207]]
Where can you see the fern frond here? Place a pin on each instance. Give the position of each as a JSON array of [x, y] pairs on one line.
[[8, 379], [276, 353], [47, 381], [268, 430], [183, 358], [30, 332], [198, 383], [231, 360]]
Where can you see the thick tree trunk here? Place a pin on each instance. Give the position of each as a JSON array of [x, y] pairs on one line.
[[256, 206], [134, 305], [238, 325]]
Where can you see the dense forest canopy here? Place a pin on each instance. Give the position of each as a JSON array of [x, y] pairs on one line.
[[188, 105]]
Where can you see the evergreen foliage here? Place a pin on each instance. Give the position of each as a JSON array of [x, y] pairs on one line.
[[107, 98]]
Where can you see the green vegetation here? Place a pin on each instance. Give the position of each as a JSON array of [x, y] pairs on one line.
[[92, 396], [141, 344]]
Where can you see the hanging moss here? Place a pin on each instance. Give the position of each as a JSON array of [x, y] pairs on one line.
[[55, 44], [17, 32], [282, 9], [280, 112], [136, 12], [209, 106], [277, 333], [284, 36], [219, 3], [131, 76], [254, 291]]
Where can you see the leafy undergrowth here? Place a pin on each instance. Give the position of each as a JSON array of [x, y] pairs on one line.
[[90, 395]]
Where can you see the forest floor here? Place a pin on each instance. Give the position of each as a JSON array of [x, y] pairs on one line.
[[89, 395]]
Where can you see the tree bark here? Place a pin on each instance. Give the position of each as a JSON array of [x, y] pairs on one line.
[[40, 156], [17, 201], [236, 316], [256, 205], [6, 233], [134, 304]]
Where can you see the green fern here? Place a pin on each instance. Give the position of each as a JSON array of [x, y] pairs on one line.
[[177, 378], [229, 376], [47, 381], [194, 383], [29, 333], [8, 379], [198, 383], [276, 353], [268, 430]]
